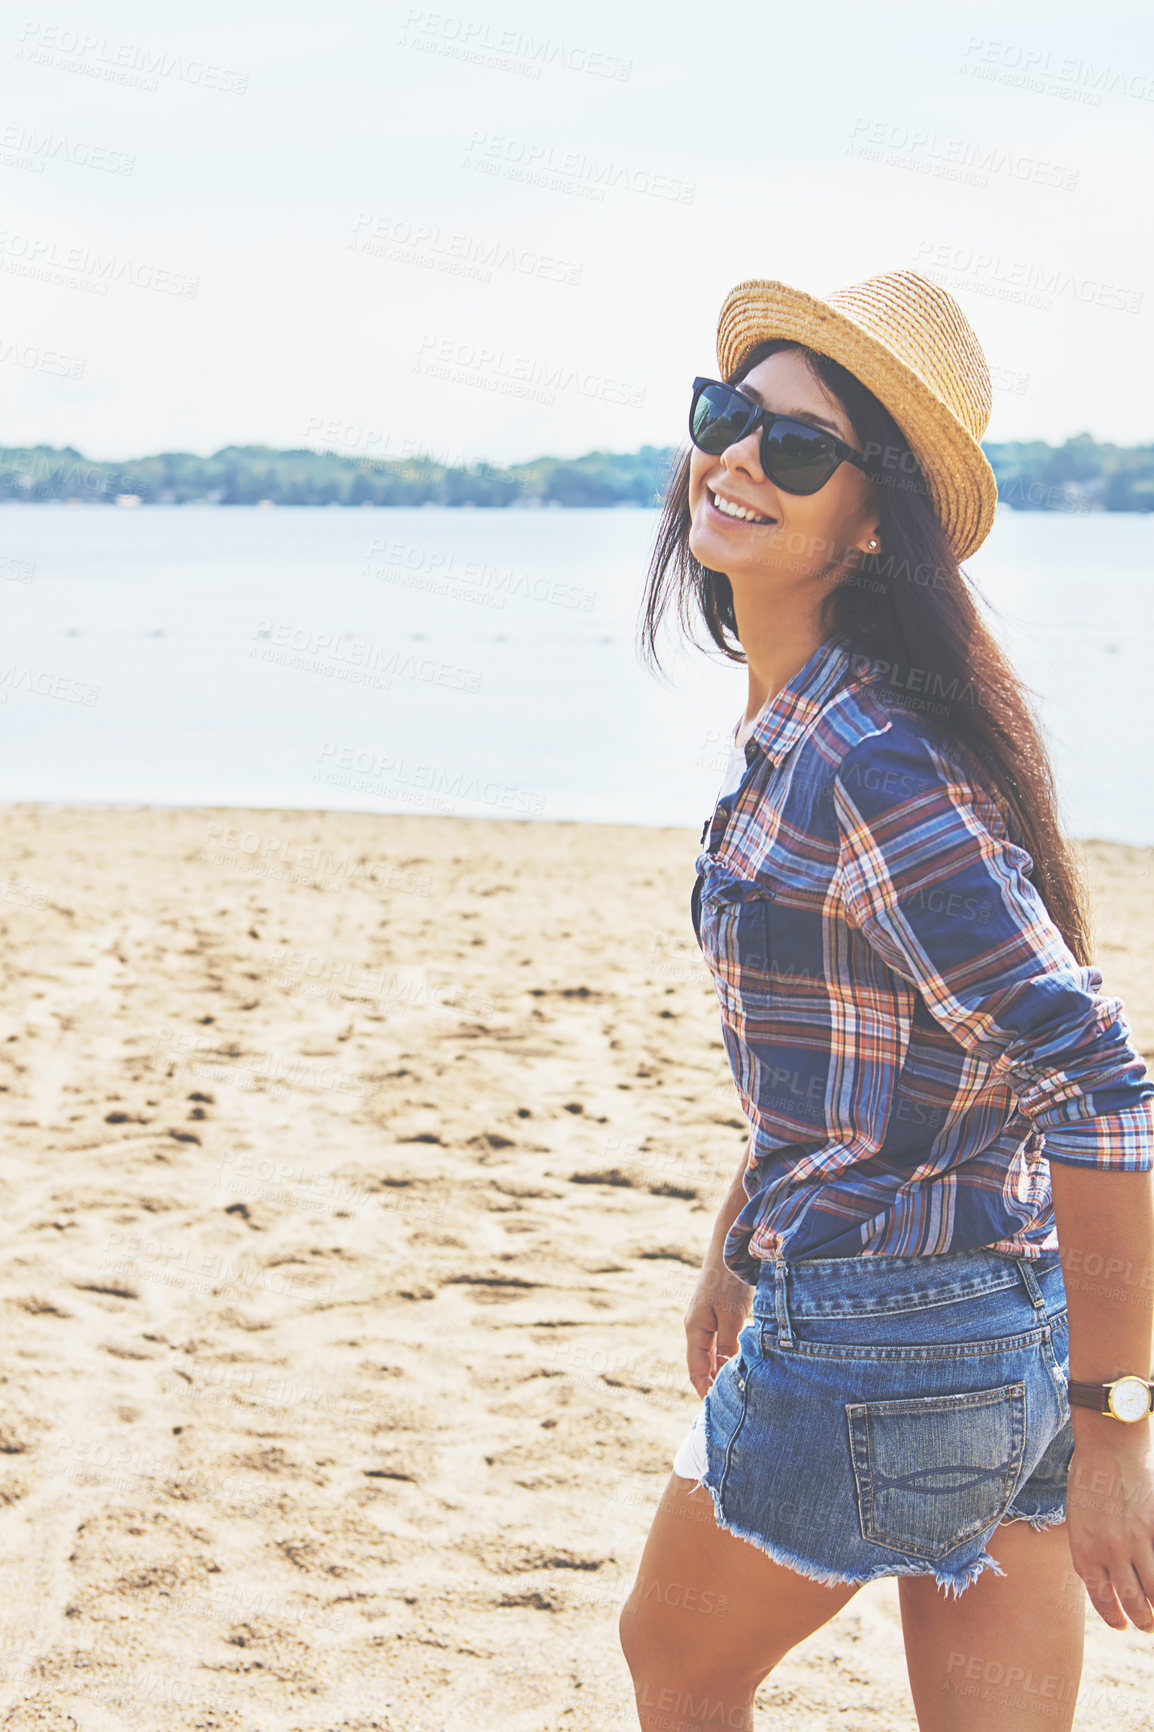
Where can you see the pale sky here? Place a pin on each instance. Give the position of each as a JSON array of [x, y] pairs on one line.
[[507, 230]]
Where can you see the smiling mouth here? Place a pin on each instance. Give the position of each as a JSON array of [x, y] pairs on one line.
[[733, 512]]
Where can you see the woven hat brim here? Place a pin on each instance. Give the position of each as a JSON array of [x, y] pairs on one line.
[[961, 483]]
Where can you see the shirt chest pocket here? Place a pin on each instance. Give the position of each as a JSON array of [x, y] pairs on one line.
[[733, 919]]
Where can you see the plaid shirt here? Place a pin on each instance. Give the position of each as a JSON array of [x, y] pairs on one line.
[[911, 1038]]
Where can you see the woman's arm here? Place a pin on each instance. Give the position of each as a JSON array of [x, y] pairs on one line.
[[1106, 1232], [720, 1301], [934, 884], [932, 880]]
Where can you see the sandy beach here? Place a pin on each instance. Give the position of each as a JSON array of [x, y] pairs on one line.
[[359, 1170]]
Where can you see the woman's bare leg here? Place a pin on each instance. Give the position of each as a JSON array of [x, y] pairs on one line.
[[1007, 1653], [709, 1615]]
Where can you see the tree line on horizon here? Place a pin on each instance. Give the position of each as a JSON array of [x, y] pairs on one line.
[[1080, 475]]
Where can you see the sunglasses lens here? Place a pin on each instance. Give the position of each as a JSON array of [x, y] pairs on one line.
[[719, 418], [798, 458]]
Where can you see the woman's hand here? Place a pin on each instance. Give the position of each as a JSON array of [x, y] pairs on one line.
[[713, 1321], [1110, 1518]]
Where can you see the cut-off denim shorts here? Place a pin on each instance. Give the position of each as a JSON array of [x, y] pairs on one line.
[[882, 1415]]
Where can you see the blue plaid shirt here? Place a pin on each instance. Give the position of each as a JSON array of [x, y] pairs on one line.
[[911, 1038]]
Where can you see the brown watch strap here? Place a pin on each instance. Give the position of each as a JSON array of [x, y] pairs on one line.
[[1087, 1395], [1095, 1395]]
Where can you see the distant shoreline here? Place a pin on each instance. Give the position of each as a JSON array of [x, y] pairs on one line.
[[1077, 477]]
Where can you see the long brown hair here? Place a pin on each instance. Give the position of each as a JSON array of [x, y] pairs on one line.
[[908, 618]]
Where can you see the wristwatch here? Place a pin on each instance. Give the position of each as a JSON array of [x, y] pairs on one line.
[[1127, 1398]]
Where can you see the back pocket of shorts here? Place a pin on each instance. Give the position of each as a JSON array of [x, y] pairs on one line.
[[934, 1471]]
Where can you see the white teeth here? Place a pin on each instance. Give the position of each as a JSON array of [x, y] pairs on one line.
[[731, 510]]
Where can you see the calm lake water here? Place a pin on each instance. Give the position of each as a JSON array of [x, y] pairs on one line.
[[477, 662]]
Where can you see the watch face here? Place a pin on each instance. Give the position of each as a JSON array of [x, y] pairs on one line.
[[1129, 1399]]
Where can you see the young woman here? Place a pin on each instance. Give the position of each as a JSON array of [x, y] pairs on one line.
[[951, 1133]]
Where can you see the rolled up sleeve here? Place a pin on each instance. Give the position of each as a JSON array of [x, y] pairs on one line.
[[930, 878]]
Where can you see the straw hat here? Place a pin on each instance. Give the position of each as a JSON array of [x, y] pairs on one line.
[[909, 342]]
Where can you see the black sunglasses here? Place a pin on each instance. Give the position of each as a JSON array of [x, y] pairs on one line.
[[796, 457]]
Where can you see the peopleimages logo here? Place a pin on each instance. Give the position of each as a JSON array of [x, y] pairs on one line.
[[45, 257], [34, 359], [475, 40], [373, 448], [570, 171], [130, 63], [455, 252], [491, 369], [928, 152], [418, 783], [440, 572], [1031, 68], [1025, 282], [342, 656], [23, 147]]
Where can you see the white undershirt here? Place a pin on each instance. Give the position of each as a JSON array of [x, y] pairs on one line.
[[736, 765]]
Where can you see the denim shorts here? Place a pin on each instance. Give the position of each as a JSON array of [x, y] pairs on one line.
[[882, 1415]]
